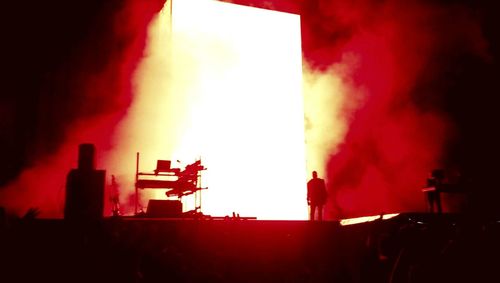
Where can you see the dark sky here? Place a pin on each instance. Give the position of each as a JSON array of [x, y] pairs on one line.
[[38, 39], [50, 50], [44, 43], [470, 87]]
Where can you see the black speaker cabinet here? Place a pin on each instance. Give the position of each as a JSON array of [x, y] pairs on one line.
[[85, 194], [86, 153], [164, 208]]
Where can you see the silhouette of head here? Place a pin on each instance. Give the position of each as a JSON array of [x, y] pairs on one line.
[[315, 174]]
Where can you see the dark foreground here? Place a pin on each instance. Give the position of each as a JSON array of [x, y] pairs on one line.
[[408, 248]]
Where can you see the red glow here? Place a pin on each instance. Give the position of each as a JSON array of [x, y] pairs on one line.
[[379, 56], [375, 141], [98, 77]]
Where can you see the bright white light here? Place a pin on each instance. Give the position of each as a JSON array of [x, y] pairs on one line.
[[241, 69], [351, 221]]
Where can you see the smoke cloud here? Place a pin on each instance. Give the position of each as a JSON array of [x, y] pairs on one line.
[[394, 138], [82, 99], [374, 83], [374, 88]]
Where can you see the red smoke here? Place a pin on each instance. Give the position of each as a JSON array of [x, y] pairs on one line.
[[95, 90], [397, 132], [394, 141]]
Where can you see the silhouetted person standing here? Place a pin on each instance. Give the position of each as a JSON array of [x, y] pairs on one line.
[[115, 197], [316, 196], [433, 196]]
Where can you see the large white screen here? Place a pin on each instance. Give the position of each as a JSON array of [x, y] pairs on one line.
[[240, 70]]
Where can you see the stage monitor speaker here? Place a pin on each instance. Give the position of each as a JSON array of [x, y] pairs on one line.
[[164, 208], [85, 194]]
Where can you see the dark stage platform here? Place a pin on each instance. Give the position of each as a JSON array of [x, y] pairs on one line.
[[407, 248]]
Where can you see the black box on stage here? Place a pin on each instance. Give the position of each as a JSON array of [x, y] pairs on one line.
[[85, 194], [164, 208]]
